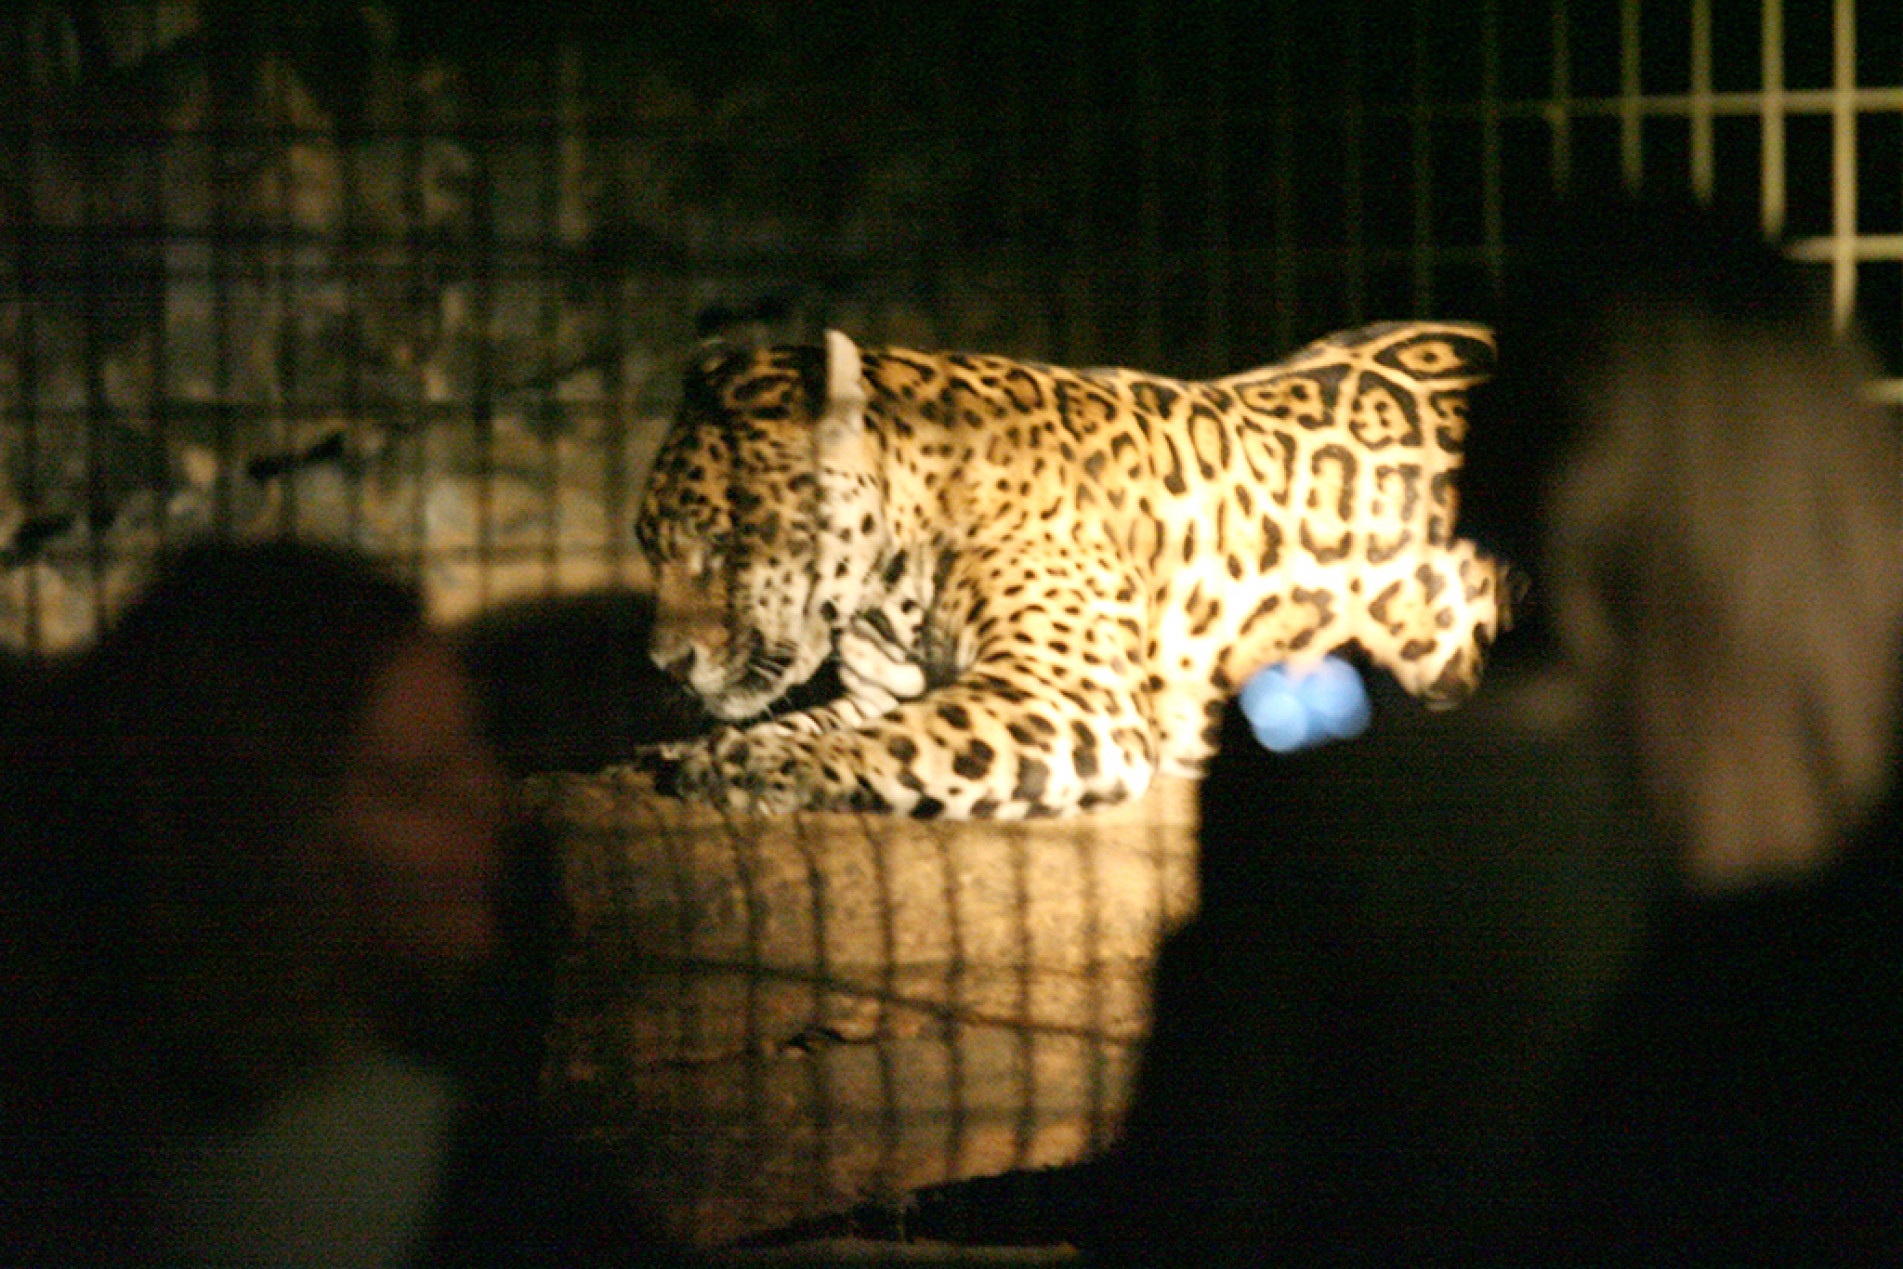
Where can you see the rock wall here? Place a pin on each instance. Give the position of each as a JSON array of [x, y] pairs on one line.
[[362, 271]]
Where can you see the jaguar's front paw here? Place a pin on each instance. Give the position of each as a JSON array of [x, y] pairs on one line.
[[659, 764], [740, 772]]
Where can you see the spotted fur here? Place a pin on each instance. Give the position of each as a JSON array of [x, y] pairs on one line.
[[1041, 584]]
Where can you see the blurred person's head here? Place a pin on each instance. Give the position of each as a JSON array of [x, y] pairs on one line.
[[1681, 452], [286, 816]]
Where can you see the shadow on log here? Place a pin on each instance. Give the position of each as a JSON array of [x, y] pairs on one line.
[[783, 1017]]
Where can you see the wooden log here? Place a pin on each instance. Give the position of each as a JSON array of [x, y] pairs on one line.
[[783, 1017]]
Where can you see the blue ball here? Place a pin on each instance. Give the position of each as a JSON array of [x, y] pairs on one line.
[[1290, 710], [1275, 713], [1334, 696]]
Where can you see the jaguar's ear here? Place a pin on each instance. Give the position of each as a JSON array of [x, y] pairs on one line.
[[851, 492], [708, 371], [842, 422]]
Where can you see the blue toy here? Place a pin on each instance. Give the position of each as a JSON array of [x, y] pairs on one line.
[[1298, 709]]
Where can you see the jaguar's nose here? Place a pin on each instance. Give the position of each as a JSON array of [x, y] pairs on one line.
[[676, 662]]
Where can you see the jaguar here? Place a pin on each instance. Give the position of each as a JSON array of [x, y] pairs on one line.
[[1038, 585]]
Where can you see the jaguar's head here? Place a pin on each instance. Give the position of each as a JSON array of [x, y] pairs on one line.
[[762, 518]]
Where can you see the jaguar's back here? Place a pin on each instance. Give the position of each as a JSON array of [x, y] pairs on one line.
[[1306, 504]]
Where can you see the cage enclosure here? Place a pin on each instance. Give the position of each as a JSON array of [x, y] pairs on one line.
[[423, 278]]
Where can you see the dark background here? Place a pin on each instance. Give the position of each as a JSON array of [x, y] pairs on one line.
[[421, 247], [1191, 187]]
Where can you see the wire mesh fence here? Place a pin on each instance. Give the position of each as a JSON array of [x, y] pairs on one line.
[[388, 273], [365, 271]]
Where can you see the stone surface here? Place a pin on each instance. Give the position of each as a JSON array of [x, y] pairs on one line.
[[784, 1017], [337, 272]]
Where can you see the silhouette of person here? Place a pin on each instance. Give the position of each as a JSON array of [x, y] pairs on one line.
[[258, 869], [1608, 965]]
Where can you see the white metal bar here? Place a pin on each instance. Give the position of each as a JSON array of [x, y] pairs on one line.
[[1771, 107], [1559, 108], [1701, 156], [1631, 92], [1825, 250], [1354, 174], [1492, 162], [1283, 268], [1149, 190], [1329, 260], [1559, 111], [1217, 251], [1421, 138], [1795, 101], [1014, 15], [1078, 306], [1843, 164]]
